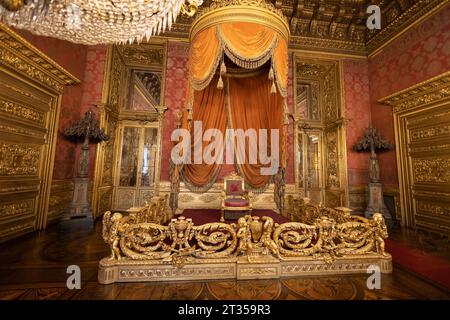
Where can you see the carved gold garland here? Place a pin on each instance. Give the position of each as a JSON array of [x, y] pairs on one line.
[[326, 236]]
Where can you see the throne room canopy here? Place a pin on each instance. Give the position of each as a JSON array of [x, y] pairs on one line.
[[249, 35], [238, 68]]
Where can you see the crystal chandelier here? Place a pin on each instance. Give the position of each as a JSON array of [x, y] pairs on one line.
[[95, 22]]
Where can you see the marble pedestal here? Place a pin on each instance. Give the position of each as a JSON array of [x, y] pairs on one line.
[[80, 207], [376, 202]]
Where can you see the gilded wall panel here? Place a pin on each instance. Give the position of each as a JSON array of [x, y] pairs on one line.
[[105, 200], [13, 229], [124, 199], [16, 210], [116, 79], [430, 132], [31, 85], [17, 110], [108, 161], [60, 198], [432, 213]]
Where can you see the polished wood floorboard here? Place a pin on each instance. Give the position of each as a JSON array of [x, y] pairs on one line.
[[34, 267]]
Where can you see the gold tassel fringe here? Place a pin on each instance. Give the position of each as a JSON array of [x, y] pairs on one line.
[[220, 83], [271, 74], [273, 90], [223, 68]]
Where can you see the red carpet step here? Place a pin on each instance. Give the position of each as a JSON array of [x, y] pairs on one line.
[[432, 268]]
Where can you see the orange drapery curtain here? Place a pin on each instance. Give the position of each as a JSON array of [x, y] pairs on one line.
[[244, 103], [253, 106], [208, 106]]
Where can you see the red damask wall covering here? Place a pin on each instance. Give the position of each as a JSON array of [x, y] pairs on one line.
[[92, 90], [420, 54], [175, 97], [73, 58], [357, 110], [290, 163], [87, 64]]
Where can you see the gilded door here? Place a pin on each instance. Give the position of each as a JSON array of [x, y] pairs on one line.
[[310, 178], [31, 87], [320, 161], [422, 128], [138, 165]]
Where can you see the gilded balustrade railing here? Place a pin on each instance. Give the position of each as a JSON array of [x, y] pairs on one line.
[[323, 233]]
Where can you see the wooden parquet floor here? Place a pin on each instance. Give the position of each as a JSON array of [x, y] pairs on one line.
[[34, 267]]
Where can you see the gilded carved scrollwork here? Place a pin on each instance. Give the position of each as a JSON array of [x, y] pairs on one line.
[[108, 161], [332, 160], [145, 54], [60, 196], [331, 234], [17, 110], [432, 170], [430, 91]]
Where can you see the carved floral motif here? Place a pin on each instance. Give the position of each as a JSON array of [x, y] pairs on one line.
[[432, 170], [18, 159]]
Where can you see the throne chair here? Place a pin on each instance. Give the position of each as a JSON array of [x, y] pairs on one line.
[[236, 201]]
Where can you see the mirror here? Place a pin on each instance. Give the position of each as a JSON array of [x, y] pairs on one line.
[[149, 155], [313, 161], [129, 159]]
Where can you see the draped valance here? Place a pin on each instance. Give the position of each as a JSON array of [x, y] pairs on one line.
[[248, 45]]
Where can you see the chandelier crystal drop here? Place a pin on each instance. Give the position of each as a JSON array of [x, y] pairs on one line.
[[96, 22]]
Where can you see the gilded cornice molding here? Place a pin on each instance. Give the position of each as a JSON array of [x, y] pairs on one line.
[[431, 91], [308, 32], [20, 55], [330, 45], [417, 13]]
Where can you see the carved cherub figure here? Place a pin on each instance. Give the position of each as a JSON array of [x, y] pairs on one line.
[[111, 232], [325, 245], [244, 237], [266, 238], [380, 233]]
